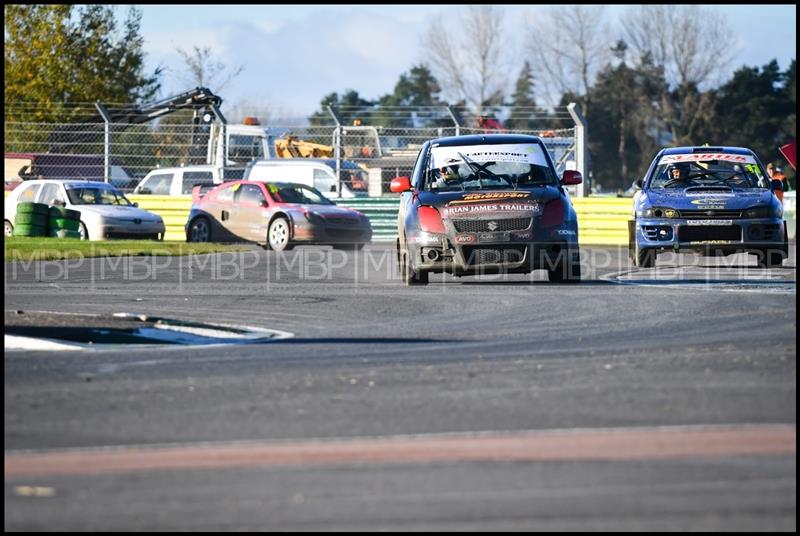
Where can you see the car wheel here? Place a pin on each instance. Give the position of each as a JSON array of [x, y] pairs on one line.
[[84, 234], [567, 270], [8, 229], [645, 257], [410, 276], [278, 235], [200, 230]]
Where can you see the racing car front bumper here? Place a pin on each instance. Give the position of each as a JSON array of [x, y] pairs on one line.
[[711, 236]]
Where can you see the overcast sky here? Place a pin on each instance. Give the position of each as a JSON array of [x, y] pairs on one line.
[[295, 55]]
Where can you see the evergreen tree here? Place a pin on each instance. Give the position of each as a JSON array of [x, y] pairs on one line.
[[522, 103], [756, 109]]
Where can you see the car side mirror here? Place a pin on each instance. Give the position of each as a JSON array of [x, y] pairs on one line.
[[136, 204], [639, 183], [777, 185], [263, 204], [333, 188], [59, 203], [144, 191], [571, 177], [400, 184]]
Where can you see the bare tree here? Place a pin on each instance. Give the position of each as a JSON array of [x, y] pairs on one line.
[[203, 70], [693, 44], [568, 44], [469, 58]]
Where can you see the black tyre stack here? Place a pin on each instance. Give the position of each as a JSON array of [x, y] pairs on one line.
[[31, 219], [64, 223]]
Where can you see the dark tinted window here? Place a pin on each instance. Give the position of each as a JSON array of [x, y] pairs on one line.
[[194, 178], [250, 194]]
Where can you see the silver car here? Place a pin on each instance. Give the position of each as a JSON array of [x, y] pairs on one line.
[[105, 212]]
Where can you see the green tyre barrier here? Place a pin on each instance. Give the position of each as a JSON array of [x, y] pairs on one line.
[[66, 213], [30, 230], [30, 218], [62, 223], [64, 233], [32, 208]]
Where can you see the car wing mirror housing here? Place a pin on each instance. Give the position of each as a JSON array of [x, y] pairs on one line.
[[400, 184], [639, 183], [777, 185], [571, 177]]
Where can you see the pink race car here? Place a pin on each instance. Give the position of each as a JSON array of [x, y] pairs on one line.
[[277, 214]]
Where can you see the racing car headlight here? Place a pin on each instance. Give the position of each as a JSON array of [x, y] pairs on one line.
[[430, 220], [658, 212], [313, 217], [763, 212]]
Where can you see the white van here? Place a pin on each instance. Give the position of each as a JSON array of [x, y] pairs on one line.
[[319, 173], [178, 180]]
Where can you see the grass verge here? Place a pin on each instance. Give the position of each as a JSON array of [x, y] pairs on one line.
[[47, 249]]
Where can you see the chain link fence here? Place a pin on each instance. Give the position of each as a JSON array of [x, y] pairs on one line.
[[388, 140]]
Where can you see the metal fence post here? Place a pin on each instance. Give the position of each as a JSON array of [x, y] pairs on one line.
[[223, 134], [107, 145], [337, 148], [456, 117], [581, 146]]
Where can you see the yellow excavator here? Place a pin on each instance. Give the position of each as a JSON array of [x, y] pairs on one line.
[[291, 146]]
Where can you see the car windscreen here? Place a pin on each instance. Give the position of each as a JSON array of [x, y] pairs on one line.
[[481, 167], [296, 193], [90, 195], [734, 171]]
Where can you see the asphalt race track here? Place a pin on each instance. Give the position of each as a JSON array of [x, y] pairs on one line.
[[660, 399]]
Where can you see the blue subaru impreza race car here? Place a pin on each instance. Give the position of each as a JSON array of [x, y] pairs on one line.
[[711, 200]]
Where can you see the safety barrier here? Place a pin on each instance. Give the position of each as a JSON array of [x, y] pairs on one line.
[[173, 209], [601, 220], [790, 213]]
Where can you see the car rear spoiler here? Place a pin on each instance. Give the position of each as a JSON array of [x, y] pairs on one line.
[[198, 193]]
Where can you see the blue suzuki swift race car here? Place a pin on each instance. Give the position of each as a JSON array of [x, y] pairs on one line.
[[711, 200]]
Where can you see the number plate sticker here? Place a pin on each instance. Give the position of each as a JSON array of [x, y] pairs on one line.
[[709, 222], [494, 237]]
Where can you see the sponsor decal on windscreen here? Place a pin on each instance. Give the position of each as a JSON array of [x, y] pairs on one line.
[[523, 153], [706, 157]]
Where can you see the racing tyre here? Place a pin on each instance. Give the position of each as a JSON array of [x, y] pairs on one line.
[[30, 218], [411, 277], [8, 228], [278, 235], [645, 258], [65, 224], [32, 208], [199, 230], [30, 230], [568, 270], [66, 213]]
